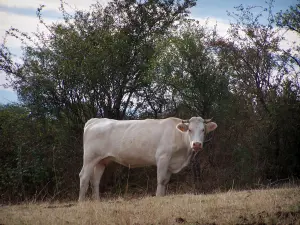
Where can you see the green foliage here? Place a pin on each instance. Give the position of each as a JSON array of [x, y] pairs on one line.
[[243, 163], [35, 155], [95, 62], [262, 77], [187, 65], [23, 157]]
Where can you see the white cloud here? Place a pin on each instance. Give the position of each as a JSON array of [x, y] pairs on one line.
[[222, 25], [29, 23], [291, 38], [50, 4], [26, 24], [4, 81]]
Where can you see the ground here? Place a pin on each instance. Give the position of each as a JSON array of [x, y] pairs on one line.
[[271, 206]]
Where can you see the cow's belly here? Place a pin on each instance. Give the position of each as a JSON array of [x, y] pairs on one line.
[[132, 163]]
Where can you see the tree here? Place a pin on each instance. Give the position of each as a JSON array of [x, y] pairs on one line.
[[253, 51], [261, 73], [93, 64], [290, 19], [189, 66]]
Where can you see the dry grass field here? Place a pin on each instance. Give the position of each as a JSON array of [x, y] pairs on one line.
[[272, 206]]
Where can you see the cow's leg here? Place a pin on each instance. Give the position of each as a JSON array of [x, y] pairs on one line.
[[98, 172], [163, 176], [162, 182], [85, 175]]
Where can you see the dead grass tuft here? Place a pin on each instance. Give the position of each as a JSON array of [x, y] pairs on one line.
[[273, 206]]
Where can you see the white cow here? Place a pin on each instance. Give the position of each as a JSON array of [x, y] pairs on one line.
[[167, 143]]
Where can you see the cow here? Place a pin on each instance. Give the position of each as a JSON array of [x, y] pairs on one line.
[[167, 144]]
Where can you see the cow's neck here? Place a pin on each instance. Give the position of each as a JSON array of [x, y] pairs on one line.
[[187, 150], [186, 141]]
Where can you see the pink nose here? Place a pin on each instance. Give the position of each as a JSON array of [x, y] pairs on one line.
[[197, 145]]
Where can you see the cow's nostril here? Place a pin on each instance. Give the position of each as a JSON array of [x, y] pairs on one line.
[[197, 145]]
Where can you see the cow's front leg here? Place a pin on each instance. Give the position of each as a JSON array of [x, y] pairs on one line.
[[163, 175]]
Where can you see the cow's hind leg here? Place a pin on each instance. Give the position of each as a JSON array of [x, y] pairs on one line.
[[85, 175], [98, 172], [163, 175]]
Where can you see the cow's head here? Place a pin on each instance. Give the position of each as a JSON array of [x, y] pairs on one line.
[[196, 128]]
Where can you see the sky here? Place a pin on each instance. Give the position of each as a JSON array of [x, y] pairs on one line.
[[21, 14]]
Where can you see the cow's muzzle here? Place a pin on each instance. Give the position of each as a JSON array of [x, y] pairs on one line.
[[197, 146]]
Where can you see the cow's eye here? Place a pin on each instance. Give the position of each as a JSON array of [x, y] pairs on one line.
[[190, 130], [203, 130]]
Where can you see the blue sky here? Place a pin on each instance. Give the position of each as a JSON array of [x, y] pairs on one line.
[[218, 8], [7, 97], [22, 15]]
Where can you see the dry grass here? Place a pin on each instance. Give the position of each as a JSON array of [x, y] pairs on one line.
[[273, 206]]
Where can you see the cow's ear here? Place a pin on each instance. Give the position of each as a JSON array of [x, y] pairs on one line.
[[182, 127], [210, 127]]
